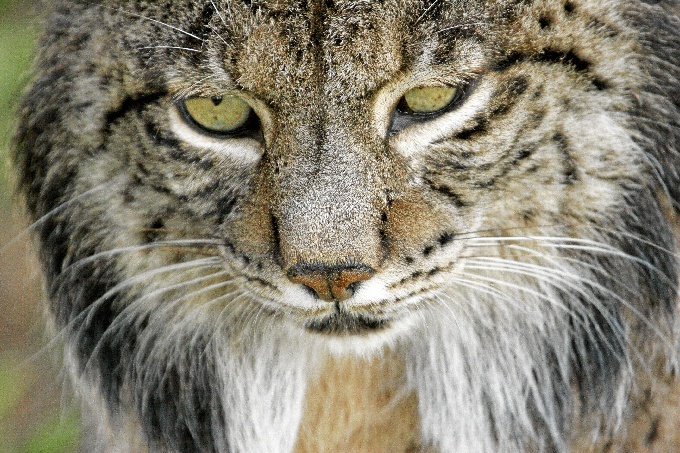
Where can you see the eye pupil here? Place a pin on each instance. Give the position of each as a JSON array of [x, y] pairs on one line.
[[216, 100]]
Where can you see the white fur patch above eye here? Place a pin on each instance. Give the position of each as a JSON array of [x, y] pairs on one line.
[[246, 151], [417, 137]]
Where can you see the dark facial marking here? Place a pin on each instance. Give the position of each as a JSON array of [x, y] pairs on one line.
[[161, 139], [445, 238], [545, 21], [153, 233], [447, 191], [131, 104], [570, 170], [343, 323]]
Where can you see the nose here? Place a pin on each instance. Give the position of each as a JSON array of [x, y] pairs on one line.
[[330, 283]]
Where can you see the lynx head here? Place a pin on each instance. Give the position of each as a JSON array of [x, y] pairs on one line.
[[494, 176]]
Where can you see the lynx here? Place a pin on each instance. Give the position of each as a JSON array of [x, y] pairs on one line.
[[361, 226]]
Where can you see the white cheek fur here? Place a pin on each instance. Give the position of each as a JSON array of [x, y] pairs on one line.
[[296, 296], [246, 151], [370, 292]]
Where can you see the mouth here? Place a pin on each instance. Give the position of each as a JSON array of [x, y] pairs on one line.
[[343, 323]]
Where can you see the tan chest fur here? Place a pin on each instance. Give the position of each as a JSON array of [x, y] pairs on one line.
[[360, 406]]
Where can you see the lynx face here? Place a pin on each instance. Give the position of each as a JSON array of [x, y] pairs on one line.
[[230, 187]]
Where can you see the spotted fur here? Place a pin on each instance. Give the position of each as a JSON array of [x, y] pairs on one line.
[[521, 245]]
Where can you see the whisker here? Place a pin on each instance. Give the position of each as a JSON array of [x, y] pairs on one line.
[[219, 14], [188, 91], [636, 238], [475, 233], [477, 286], [245, 315], [86, 313], [534, 272], [191, 265], [498, 295], [50, 214], [136, 248], [522, 289], [233, 297], [189, 49], [222, 19], [421, 311], [134, 310], [444, 303], [253, 321], [556, 279], [570, 243], [559, 273], [462, 26], [193, 281], [581, 263], [68, 271], [427, 11], [170, 307], [592, 328], [163, 24]]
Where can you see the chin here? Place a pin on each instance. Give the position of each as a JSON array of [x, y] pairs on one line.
[[342, 332]]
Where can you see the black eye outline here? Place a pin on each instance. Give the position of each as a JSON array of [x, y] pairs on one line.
[[251, 128], [402, 116]]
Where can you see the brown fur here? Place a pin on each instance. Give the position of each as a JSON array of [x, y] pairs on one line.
[[359, 405]]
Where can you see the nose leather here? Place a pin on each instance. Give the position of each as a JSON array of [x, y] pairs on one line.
[[330, 283]]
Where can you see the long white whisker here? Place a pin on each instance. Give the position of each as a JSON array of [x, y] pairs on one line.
[[555, 279], [50, 214], [219, 14], [170, 47], [637, 238], [163, 24], [132, 309], [581, 263], [177, 326], [462, 26], [567, 243], [76, 265], [427, 11], [537, 272], [87, 312], [151, 295], [79, 264], [195, 264]]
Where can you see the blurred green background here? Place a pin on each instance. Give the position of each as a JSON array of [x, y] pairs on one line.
[[37, 411]]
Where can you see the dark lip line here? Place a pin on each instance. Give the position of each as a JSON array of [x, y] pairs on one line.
[[340, 322], [346, 325]]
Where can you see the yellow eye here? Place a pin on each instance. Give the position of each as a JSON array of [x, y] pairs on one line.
[[428, 99], [225, 115]]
